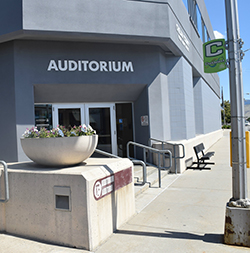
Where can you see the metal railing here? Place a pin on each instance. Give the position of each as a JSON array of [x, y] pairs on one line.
[[164, 153], [144, 167], [174, 150], [101, 152], [6, 182]]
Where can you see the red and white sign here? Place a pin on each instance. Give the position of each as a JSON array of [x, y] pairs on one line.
[[106, 185], [144, 120]]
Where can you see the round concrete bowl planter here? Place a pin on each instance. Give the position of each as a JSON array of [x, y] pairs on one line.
[[58, 151]]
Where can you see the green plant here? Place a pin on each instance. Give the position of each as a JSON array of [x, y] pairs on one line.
[[60, 131], [226, 127], [226, 112]]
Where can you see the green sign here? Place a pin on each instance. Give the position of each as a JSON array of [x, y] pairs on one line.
[[214, 54]]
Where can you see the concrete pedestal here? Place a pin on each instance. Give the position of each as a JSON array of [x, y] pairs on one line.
[[76, 206], [237, 226]]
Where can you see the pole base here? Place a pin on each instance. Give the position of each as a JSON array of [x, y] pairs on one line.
[[237, 226]]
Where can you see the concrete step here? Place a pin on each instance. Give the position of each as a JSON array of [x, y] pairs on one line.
[[152, 178]]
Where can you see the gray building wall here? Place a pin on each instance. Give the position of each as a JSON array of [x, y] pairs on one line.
[[159, 110], [181, 99], [207, 108], [198, 102], [140, 22], [33, 83], [11, 16], [168, 83], [8, 136]]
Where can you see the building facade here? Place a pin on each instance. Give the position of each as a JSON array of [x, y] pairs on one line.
[[131, 69]]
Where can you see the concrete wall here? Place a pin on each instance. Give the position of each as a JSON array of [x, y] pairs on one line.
[[33, 83], [181, 99], [11, 16], [207, 108], [7, 103], [140, 22], [159, 109], [159, 85], [207, 139], [131, 17], [83, 221], [181, 164]]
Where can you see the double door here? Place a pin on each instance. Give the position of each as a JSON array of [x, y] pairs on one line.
[[101, 117]]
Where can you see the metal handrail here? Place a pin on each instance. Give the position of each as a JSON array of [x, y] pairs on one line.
[[144, 170], [106, 153], [7, 197], [135, 161], [174, 150], [154, 150]]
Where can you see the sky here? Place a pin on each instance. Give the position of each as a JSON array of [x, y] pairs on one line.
[[216, 11]]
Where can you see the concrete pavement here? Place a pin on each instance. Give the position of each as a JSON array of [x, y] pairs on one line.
[[185, 215]]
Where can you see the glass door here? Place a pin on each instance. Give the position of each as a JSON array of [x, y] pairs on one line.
[[68, 115], [101, 117]]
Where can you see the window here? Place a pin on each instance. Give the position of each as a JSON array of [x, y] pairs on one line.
[[205, 39], [192, 10], [196, 19], [199, 22], [43, 116], [208, 37], [185, 3]]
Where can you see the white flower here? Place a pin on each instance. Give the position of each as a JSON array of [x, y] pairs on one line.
[[26, 133], [84, 128], [60, 132], [73, 133]]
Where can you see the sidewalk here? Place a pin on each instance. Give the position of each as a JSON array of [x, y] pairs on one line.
[[185, 215]]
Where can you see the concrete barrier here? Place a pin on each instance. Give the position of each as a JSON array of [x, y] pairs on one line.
[[76, 206], [207, 139]]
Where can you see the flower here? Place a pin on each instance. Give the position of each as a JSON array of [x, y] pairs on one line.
[[60, 131], [31, 133], [84, 128]]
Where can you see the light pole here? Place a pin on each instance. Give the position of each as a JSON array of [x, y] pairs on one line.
[[236, 227], [237, 102]]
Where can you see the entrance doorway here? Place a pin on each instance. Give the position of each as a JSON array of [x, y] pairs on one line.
[[112, 122], [101, 117], [124, 126]]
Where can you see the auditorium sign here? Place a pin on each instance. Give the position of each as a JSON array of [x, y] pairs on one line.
[[93, 66]]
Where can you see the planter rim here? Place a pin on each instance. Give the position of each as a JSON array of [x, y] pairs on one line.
[[64, 137], [59, 151]]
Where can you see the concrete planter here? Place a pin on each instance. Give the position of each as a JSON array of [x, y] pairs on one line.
[[59, 151]]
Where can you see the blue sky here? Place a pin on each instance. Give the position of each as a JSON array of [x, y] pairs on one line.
[[216, 11]]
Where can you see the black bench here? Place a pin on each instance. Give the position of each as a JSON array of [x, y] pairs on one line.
[[202, 158]]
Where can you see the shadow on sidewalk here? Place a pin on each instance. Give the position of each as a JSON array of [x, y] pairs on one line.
[[209, 238]]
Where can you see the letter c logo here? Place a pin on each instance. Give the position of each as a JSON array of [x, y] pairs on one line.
[[217, 52]]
